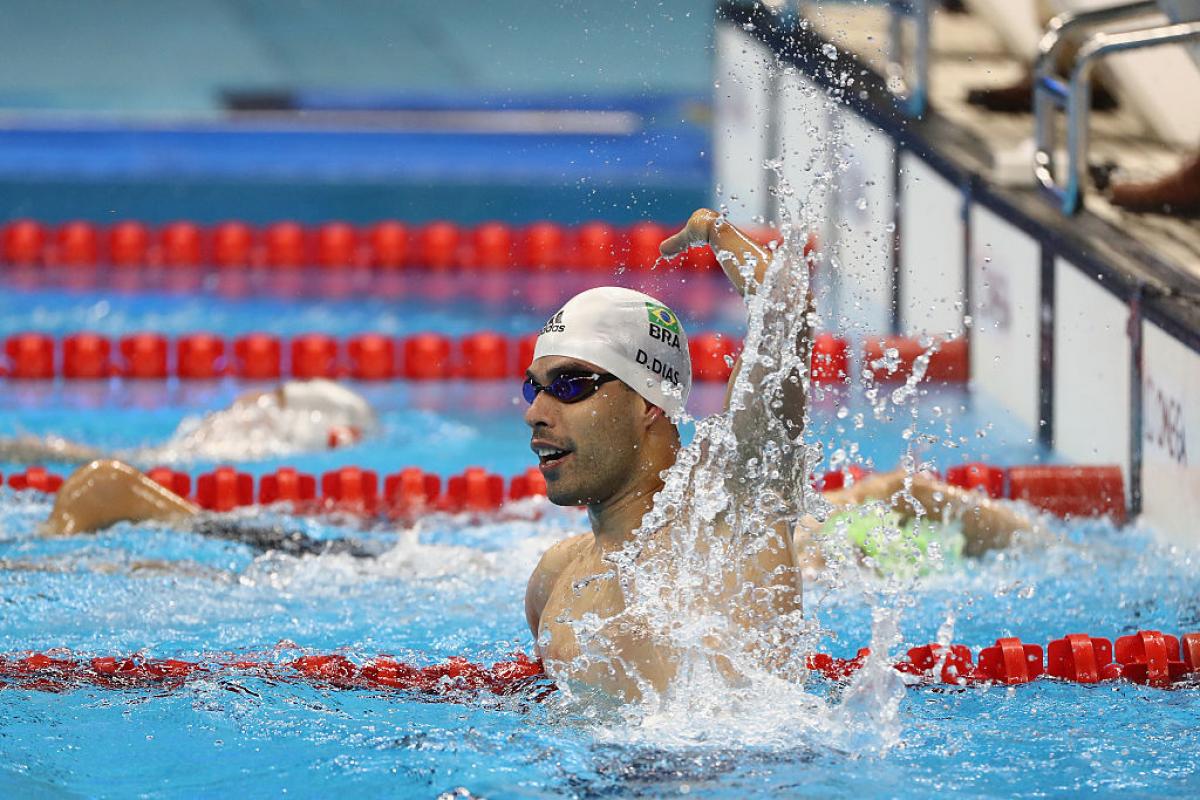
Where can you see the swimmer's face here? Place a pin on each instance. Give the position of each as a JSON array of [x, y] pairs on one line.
[[591, 449]]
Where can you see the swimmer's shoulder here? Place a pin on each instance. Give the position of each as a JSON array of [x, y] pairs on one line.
[[560, 554]]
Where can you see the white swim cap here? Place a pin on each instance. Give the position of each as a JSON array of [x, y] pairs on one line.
[[629, 334], [332, 403]]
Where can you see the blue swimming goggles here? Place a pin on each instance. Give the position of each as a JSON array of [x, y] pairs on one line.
[[567, 387]]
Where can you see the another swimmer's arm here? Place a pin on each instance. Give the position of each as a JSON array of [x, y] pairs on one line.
[[35, 450], [987, 524], [105, 492]]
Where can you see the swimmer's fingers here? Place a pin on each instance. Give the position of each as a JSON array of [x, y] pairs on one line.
[[696, 232]]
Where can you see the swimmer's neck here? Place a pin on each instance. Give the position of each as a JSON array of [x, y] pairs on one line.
[[614, 520]]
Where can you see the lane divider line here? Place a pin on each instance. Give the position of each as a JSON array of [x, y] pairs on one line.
[[1066, 490], [1148, 657], [484, 355], [436, 246]]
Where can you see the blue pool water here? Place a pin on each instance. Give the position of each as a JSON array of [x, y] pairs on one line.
[[455, 586]]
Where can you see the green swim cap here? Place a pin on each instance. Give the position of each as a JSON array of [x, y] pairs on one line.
[[896, 546]]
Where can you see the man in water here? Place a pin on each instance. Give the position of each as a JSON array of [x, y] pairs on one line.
[[610, 371], [294, 417]]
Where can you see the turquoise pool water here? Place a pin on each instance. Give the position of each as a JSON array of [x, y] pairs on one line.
[[453, 586]]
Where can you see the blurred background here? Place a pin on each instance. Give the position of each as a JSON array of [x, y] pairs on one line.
[[354, 109]]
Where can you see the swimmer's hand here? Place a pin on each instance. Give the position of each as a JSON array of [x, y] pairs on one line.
[[740, 256], [696, 233]]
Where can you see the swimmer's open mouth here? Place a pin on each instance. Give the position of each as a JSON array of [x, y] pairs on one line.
[[549, 456]]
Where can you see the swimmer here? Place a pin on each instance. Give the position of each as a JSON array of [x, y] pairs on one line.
[[601, 427], [108, 491], [294, 417]]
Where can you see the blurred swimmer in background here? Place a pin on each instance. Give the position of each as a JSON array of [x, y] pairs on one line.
[[294, 417]]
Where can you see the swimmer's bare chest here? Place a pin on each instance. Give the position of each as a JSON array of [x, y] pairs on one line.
[[586, 589]]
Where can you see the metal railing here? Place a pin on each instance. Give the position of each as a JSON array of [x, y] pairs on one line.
[[913, 93], [1074, 94]]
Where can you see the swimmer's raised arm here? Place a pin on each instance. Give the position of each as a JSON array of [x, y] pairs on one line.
[[741, 258]]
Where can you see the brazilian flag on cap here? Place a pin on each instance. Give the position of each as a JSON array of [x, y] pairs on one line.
[[663, 317]]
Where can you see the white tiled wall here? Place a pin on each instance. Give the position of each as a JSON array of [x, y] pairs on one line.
[[931, 250], [1005, 308], [1091, 370], [1170, 424]]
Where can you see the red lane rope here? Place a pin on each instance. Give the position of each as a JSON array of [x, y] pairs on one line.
[[1148, 657], [425, 356], [1066, 490], [1062, 489], [385, 245], [46, 673]]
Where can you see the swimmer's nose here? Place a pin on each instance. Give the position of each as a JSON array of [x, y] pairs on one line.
[[540, 411]]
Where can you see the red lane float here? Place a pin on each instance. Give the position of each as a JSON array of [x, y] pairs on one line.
[[24, 243], [315, 355], [143, 356], [531, 483], [991, 480], [476, 489], [1147, 657], [76, 244], [641, 245], [372, 357], [388, 245], [438, 246], [597, 247], [351, 489], [830, 359], [86, 356], [542, 245], [224, 489], [181, 244], [200, 356], [712, 356], [258, 357], [232, 245], [1066, 490], [337, 245], [485, 356], [894, 358], [286, 485], [492, 247], [457, 676], [286, 245], [1010, 661], [37, 479], [178, 482], [412, 490], [1071, 491], [427, 357], [30, 356], [128, 244], [526, 346]]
